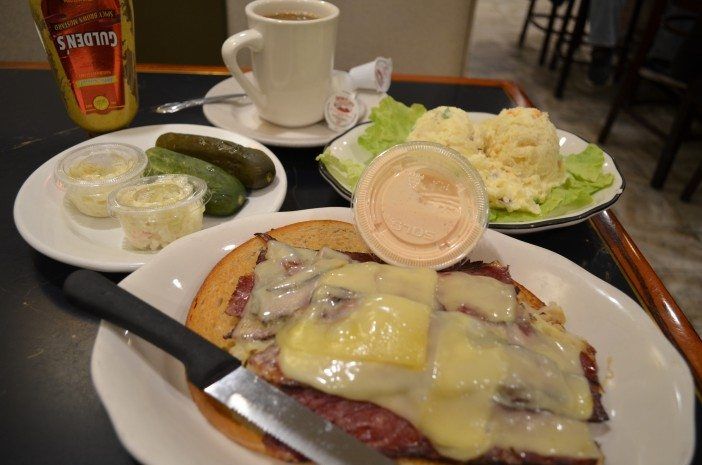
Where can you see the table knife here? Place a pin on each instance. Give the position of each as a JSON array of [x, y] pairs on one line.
[[222, 376]]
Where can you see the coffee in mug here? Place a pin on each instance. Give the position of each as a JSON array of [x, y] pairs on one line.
[[292, 46], [292, 16]]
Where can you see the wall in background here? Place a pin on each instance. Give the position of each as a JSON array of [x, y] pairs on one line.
[[421, 36], [180, 32], [19, 40], [167, 31]]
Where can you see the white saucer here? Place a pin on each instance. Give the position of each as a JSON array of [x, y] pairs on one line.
[[56, 229], [244, 119]]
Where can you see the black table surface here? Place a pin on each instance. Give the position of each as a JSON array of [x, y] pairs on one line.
[[49, 411]]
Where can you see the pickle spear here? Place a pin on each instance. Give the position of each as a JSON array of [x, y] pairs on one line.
[[251, 166], [227, 193]]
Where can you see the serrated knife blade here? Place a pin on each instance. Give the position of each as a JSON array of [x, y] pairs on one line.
[[221, 376], [291, 422]]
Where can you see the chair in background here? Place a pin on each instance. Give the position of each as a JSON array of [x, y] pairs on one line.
[[574, 40], [690, 93], [575, 37], [565, 34], [533, 18], [690, 103], [623, 58]]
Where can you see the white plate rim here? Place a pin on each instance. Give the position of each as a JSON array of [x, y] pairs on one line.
[[614, 191], [41, 246], [113, 343]]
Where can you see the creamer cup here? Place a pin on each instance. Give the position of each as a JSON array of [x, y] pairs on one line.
[[375, 75], [341, 110], [420, 204], [341, 81]]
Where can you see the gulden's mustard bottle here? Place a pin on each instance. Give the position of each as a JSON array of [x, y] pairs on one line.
[[90, 45]]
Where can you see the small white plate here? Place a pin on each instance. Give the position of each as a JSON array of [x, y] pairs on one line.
[[346, 147], [244, 119], [649, 393], [55, 228]]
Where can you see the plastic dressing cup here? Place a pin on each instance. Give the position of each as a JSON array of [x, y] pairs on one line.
[[420, 204], [88, 174], [157, 210]]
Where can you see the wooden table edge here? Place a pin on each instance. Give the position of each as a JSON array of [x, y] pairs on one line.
[[651, 292], [511, 89]]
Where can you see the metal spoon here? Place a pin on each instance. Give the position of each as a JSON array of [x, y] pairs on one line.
[[173, 107]]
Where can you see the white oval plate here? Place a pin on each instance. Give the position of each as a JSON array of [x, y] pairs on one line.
[[346, 147], [244, 119], [55, 228], [649, 393]]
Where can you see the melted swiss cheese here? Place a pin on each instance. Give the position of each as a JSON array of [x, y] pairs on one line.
[[469, 381]]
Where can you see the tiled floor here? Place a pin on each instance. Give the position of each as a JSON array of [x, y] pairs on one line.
[[668, 231]]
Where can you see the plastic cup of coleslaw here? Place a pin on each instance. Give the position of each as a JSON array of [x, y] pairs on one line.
[[156, 210], [90, 173], [420, 204]]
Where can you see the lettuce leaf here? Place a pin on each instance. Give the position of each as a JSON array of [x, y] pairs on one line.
[[392, 123], [586, 167], [585, 177], [347, 172]]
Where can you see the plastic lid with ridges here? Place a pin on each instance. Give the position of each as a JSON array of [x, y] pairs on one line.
[[420, 204], [197, 192], [101, 154]]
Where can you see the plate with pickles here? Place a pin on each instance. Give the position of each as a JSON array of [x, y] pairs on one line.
[[112, 202]]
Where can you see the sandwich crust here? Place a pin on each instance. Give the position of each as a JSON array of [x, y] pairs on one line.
[[207, 315], [208, 318]]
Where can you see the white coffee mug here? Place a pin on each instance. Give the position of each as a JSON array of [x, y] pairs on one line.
[[292, 59]]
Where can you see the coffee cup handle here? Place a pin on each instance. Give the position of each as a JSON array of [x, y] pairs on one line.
[[252, 39]]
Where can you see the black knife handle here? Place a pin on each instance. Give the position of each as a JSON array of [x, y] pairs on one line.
[[204, 362]]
